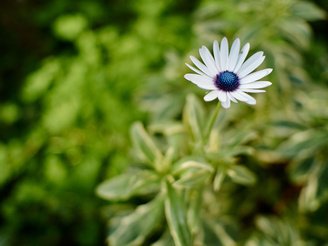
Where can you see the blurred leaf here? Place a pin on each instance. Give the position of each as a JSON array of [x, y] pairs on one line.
[[176, 217], [310, 141], [38, 82], [218, 179], [274, 231], [62, 116], [126, 185], [193, 179], [290, 124], [70, 26], [241, 136], [191, 163], [145, 145], [9, 113], [194, 209], [135, 227], [300, 169], [192, 172], [323, 183], [315, 193], [217, 233], [176, 136], [296, 32], [308, 11], [165, 240], [166, 108], [241, 175], [194, 116]]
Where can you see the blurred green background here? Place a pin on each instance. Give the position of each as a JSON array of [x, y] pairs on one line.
[[76, 74]]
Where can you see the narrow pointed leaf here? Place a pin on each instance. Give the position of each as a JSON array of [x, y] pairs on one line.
[[124, 186], [145, 145], [218, 233], [176, 217], [189, 164], [241, 175], [194, 117], [193, 213], [193, 179], [218, 180], [165, 240], [134, 228]]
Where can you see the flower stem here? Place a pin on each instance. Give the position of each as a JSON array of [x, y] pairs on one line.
[[210, 126]]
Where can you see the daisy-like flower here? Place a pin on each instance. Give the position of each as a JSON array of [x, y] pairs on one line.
[[227, 76]]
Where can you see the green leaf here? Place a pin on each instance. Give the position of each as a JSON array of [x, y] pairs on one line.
[[165, 240], [306, 142], [70, 26], [194, 208], [191, 163], [39, 82], [145, 145], [217, 233], [323, 182], [193, 172], [243, 135], [308, 11], [175, 135], [135, 227], [176, 217], [273, 231], [315, 193], [300, 169], [241, 175], [194, 117], [193, 179], [124, 186], [218, 179], [290, 124]]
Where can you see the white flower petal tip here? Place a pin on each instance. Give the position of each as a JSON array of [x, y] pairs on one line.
[[211, 96], [227, 73], [269, 70], [226, 104]]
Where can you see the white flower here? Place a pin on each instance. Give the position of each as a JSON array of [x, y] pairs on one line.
[[227, 76]]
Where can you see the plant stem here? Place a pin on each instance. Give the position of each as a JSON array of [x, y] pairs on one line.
[[210, 126]]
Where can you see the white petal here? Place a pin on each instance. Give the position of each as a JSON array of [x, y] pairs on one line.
[[250, 60], [255, 76], [196, 70], [211, 95], [253, 90], [208, 59], [241, 57], [250, 100], [255, 85], [231, 97], [226, 104], [234, 51], [201, 81], [201, 66], [217, 55], [247, 68], [224, 49], [239, 96], [223, 96]]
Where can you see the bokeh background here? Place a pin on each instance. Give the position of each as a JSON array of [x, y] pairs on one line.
[[76, 74]]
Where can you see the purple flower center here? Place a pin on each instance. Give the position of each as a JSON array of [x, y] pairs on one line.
[[226, 81]]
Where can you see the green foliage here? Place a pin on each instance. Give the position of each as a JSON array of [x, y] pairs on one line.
[[145, 146], [181, 179], [176, 216], [135, 227]]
